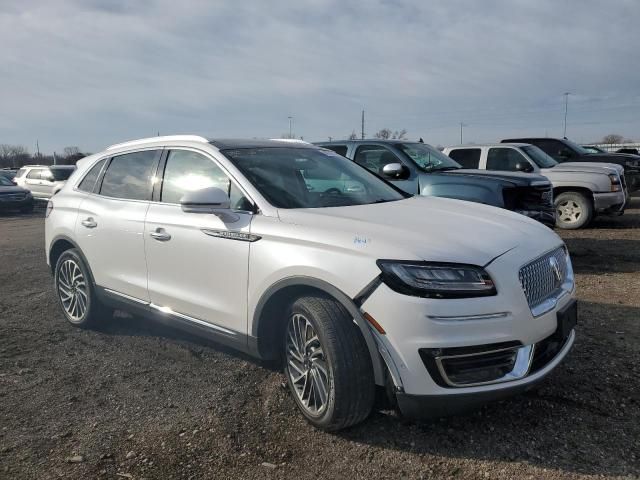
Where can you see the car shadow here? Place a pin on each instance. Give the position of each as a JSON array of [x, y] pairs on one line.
[[602, 256], [579, 420]]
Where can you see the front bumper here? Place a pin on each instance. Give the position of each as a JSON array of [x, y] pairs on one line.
[[16, 204], [546, 217], [414, 325], [633, 179], [610, 202]]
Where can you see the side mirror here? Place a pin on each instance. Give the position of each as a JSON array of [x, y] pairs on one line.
[[524, 167], [205, 200], [395, 171], [565, 153]]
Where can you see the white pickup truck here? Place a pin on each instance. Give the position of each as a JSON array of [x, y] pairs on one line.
[[581, 190]]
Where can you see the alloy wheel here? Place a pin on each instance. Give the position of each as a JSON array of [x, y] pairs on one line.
[[307, 365], [72, 289], [569, 211]]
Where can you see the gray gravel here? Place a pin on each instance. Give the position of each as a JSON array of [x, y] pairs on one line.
[[139, 400]]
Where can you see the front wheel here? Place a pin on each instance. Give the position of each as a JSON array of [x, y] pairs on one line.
[[573, 210], [327, 364]]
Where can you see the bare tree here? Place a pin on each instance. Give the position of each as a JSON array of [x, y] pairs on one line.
[[353, 136], [612, 138], [70, 151], [386, 134], [13, 156]]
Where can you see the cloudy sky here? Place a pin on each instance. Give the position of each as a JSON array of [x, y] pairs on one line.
[[91, 73]]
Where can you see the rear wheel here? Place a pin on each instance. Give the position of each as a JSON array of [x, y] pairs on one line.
[[327, 364], [76, 294], [573, 210]]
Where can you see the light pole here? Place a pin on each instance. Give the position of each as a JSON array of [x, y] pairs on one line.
[[462, 125], [566, 107], [290, 127]]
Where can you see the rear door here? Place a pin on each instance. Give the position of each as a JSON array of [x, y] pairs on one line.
[[198, 262], [467, 157], [33, 182], [110, 224]]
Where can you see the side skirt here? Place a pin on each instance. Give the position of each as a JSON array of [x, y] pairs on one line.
[[197, 327]]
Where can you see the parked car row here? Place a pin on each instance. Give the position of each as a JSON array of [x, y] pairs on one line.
[[291, 252], [20, 188], [516, 176]]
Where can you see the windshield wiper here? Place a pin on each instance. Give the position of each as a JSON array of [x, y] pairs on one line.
[[445, 169]]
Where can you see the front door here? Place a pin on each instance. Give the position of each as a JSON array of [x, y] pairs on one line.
[[198, 262]]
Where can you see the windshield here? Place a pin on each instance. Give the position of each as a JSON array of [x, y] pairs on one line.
[[542, 159], [428, 158], [60, 174], [5, 182], [310, 178]]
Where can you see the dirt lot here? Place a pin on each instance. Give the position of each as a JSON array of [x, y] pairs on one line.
[[138, 400]]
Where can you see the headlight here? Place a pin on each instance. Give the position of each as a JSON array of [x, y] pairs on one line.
[[615, 182], [436, 280]]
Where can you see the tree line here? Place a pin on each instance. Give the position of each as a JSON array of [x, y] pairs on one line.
[[16, 156]]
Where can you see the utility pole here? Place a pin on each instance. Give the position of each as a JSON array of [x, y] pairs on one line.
[[54, 158], [462, 125], [290, 127], [362, 132], [566, 107], [38, 148], [329, 138]]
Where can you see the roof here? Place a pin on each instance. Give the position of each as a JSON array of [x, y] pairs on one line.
[[480, 145], [231, 143], [368, 140]]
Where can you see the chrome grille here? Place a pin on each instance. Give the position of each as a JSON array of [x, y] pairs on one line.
[[544, 277]]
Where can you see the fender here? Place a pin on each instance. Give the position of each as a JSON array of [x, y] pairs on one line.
[[80, 252], [337, 295]]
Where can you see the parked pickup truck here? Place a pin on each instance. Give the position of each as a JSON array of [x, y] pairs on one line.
[[581, 189], [563, 150], [419, 168]]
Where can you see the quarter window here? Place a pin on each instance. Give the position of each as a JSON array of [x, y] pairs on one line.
[[187, 171], [89, 181], [467, 157], [339, 149], [129, 176], [504, 159], [374, 157]]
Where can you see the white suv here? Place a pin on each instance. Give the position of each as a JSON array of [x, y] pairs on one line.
[[43, 181], [292, 252]]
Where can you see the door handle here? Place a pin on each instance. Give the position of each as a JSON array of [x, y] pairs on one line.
[[89, 223], [161, 235]]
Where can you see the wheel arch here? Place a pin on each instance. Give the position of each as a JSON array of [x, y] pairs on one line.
[[59, 245], [267, 322], [583, 190]]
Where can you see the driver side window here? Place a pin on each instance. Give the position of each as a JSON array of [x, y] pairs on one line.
[[504, 159], [186, 171], [374, 157]]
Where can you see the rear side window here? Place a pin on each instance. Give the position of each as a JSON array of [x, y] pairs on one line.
[[34, 174], [61, 174], [129, 176], [504, 159], [20, 173], [467, 157], [339, 149], [89, 181]]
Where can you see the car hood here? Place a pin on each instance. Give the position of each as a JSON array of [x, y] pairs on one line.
[[423, 228], [586, 167], [5, 190], [518, 178]]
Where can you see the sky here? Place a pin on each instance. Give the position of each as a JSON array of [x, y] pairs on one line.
[[90, 73]]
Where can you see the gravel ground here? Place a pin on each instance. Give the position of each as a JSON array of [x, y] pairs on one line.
[[139, 400]]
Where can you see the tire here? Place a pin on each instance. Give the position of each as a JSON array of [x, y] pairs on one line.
[[335, 346], [76, 293], [573, 210]]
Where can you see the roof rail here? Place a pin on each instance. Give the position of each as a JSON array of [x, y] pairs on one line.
[[289, 140], [166, 138]]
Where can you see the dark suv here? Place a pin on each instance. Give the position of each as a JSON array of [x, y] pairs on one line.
[[419, 168], [563, 150]]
